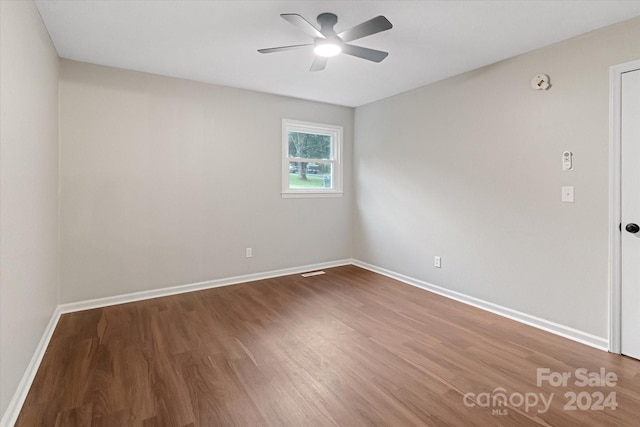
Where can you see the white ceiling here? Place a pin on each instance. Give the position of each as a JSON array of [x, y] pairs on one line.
[[217, 41]]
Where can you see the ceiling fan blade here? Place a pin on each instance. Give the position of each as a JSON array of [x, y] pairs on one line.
[[302, 24], [283, 48], [319, 63], [372, 26], [364, 53]]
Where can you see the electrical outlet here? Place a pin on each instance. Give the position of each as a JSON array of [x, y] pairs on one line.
[[249, 252], [436, 262]]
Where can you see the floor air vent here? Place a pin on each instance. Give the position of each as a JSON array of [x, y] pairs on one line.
[[313, 273]]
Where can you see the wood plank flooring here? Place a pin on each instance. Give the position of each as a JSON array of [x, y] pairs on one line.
[[348, 348]]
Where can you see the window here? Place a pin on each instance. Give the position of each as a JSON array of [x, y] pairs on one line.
[[311, 165]]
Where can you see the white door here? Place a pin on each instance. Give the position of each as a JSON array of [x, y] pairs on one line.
[[630, 214]]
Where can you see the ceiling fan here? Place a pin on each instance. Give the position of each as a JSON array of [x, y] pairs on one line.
[[328, 43]]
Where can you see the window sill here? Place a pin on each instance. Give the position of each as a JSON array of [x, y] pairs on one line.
[[310, 194]]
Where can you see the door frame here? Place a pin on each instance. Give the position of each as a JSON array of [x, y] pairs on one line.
[[615, 182]]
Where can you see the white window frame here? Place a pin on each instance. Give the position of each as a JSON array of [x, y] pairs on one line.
[[335, 132]]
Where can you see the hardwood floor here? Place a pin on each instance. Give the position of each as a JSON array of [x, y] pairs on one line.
[[348, 348]]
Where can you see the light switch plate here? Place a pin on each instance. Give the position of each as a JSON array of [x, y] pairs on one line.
[[567, 194]]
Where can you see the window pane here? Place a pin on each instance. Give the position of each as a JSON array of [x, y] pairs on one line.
[[310, 146], [311, 159], [309, 175]]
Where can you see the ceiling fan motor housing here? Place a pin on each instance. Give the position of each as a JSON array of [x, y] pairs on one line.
[[327, 21]]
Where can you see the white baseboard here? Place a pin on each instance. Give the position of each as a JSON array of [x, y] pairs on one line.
[[15, 405], [546, 325]]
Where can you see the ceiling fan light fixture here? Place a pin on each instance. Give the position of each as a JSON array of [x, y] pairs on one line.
[[328, 43], [327, 49]]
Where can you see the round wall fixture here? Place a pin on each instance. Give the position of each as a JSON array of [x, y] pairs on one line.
[[540, 82]]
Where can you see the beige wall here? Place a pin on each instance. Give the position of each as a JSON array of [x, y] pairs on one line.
[[28, 188], [165, 182], [469, 169]]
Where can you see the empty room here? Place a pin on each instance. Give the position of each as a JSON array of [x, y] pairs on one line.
[[319, 213]]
